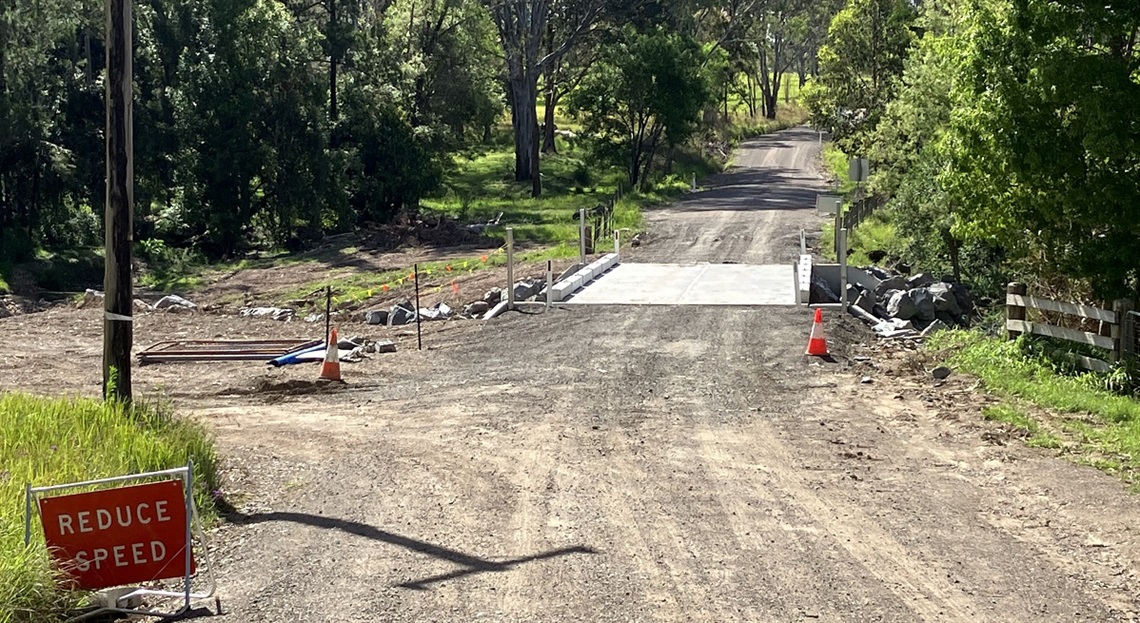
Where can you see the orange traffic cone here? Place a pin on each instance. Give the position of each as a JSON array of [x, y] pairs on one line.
[[330, 369], [817, 344]]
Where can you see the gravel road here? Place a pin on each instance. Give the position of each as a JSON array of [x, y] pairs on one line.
[[657, 464]]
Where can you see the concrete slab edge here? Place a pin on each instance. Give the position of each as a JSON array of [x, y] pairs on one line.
[[579, 279]]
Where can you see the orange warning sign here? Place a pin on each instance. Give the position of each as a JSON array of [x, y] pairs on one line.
[[118, 536]]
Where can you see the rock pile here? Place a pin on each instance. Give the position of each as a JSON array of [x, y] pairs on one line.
[[912, 306], [404, 312]]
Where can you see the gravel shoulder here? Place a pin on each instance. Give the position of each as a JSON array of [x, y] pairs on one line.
[[639, 464]]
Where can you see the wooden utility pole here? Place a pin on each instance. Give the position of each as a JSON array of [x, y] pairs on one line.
[[118, 333]]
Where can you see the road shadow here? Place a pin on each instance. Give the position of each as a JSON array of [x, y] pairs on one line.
[[751, 190], [470, 564]]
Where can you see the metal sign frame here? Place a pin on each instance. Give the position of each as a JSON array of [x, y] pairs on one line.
[[827, 205], [859, 169], [193, 524]]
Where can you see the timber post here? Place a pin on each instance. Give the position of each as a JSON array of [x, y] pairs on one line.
[[1123, 331], [118, 302], [1014, 311]]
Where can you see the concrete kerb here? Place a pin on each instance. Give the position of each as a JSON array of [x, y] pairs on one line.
[[567, 287]]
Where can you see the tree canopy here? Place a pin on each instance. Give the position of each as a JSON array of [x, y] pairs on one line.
[[1006, 144], [271, 123]]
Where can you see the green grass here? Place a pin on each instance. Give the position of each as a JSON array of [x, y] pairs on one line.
[[1104, 427], [837, 163], [46, 441], [1019, 419], [877, 232], [874, 233], [482, 185]]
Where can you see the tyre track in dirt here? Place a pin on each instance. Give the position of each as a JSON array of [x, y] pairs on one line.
[[657, 464]]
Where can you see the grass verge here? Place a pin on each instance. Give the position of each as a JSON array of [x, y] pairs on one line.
[[877, 232], [1076, 413], [47, 441]]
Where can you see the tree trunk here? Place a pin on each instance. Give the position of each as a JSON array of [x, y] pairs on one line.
[[955, 249], [751, 95], [524, 119], [333, 61], [766, 96], [548, 128]]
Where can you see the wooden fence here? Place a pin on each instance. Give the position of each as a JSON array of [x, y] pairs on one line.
[[1117, 327], [857, 212], [600, 228]]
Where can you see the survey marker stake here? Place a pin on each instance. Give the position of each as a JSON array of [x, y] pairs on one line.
[[419, 321]]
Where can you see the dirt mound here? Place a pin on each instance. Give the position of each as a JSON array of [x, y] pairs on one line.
[[434, 231], [291, 387]]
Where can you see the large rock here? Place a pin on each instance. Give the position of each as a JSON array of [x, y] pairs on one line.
[[878, 273], [924, 303], [376, 316], [527, 288], [476, 309], [885, 297], [91, 298], [948, 320], [894, 283], [902, 306], [173, 302], [401, 314], [921, 280], [945, 299], [964, 298]]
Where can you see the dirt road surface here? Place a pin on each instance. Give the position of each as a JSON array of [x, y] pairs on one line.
[[657, 464]]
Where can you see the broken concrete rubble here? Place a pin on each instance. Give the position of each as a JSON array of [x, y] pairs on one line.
[[528, 288], [913, 307], [276, 313], [401, 313], [901, 305], [476, 309], [173, 302], [439, 311], [376, 316]]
